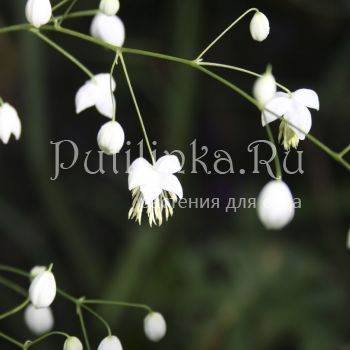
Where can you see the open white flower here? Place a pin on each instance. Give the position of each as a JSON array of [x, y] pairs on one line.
[[155, 186], [42, 290], [111, 138], [109, 7], [39, 321], [110, 29], [154, 326], [110, 343], [259, 27], [97, 92], [72, 343], [38, 12], [294, 109], [9, 123], [265, 87], [275, 205]]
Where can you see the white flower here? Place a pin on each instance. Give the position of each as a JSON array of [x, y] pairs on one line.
[[42, 290], [154, 326], [154, 186], [36, 270], [97, 92], [264, 87], [111, 138], [110, 343], [294, 109], [110, 29], [39, 321], [9, 123], [38, 12], [72, 343], [275, 205], [259, 27], [109, 7]]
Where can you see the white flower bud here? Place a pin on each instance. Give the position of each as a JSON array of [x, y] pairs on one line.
[[110, 343], [72, 343], [109, 7], [36, 270], [154, 326], [259, 27], [9, 123], [275, 205], [38, 12], [39, 321], [42, 290], [111, 138], [264, 88], [110, 29]]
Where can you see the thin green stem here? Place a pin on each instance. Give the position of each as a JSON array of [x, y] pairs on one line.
[[14, 270], [83, 327], [11, 340], [15, 28], [344, 151], [13, 286], [115, 62], [242, 70], [16, 309], [117, 303], [224, 32], [276, 158], [60, 4], [63, 52], [1, 101], [30, 343], [69, 9], [99, 317], [137, 107]]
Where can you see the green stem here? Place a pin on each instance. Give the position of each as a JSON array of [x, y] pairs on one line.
[[30, 343], [82, 325], [11, 340], [14, 310], [242, 70], [117, 303], [276, 158], [13, 286], [223, 33], [111, 85], [61, 19], [344, 151], [63, 52], [14, 270], [60, 4], [137, 107], [100, 318]]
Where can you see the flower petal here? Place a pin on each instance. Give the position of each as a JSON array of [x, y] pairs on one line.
[[141, 172], [172, 184], [307, 97], [168, 164], [279, 105], [150, 192], [85, 97], [300, 118], [105, 105]]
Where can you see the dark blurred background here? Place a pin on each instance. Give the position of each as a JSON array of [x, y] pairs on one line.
[[220, 279]]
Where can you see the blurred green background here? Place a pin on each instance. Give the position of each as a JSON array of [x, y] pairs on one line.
[[220, 279]]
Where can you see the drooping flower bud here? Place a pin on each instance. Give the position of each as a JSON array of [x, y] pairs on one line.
[[111, 137], [39, 321], [110, 343], [264, 88], [154, 326], [38, 12], [110, 29], [9, 123], [36, 270], [72, 343], [109, 7], [259, 27], [42, 290], [275, 205]]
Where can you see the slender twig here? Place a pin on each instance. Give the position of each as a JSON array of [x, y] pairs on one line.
[[14, 286], [16, 309], [30, 343], [11, 340], [117, 303], [83, 327]]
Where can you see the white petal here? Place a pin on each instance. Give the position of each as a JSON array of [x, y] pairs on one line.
[[9, 123], [104, 100], [38, 12], [150, 191], [39, 321], [154, 326], [105, 105], [140, 173], [109, 29], [308, 98], [172, 184], [85, 97], [300, 117], [110, 137], [279, 105], [168, 164], [110, 343], [103, 80]]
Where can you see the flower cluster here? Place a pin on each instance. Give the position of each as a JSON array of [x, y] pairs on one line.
[[39, 317]]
